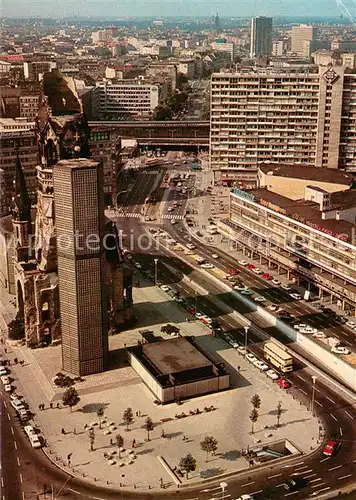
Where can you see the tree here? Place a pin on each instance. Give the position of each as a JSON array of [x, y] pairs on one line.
[[119, 443], [256, 401], [91, 439], [70, 397], [100, 414], [149, 426], [209, 445], [279, 412], [127, 417], [162, 113], [253, 417], [188, 463]]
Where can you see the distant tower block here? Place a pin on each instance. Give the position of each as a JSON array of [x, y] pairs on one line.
[[79, 211], [217, 23]]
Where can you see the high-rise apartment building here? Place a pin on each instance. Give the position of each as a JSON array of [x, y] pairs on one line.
[[261, 36], [79, 207], [18, 138], [299, 35], [306, 117]]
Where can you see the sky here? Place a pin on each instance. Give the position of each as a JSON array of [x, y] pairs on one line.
[[161, 8]]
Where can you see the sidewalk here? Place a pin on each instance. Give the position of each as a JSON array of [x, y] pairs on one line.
[[121, 387]]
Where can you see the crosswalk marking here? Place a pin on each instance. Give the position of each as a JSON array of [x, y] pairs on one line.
[[130, 214], [173, 216], [137, 215]]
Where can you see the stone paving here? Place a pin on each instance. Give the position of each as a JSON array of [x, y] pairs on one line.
[[120, 388]]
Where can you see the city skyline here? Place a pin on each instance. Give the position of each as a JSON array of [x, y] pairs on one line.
[[142, 8]]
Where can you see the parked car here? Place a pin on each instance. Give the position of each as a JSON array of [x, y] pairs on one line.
[[17, 405], [243, 263], [272, 307], [283, 383], [267, 276], [250, 357], [251, 266], [340, 350], [261, 365], [272, 374], [294, 483], [8, 388], [319, 335], [207, 265], [256, 270], [330, 448], [246, 291], [259, 298], [351, 324], [215, 256], [286, 287], [166, 288], [241, 349], [5, 380], [240, 287], [276, 282], [190, 246], [233, 271], [295, 296], [3, 371]]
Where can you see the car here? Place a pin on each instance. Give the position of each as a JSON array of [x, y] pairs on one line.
[[245, 496], [215, 256], [256, 270], [243, 263], [295, 296], [165, 288], [190, 246], [272, 374], [137, 265], [340, 350], [251, 266], [206, 320], [173, 222], [261, 365], [351, 325], [308, 329], [233, 272], [5, 380], [3, 371], [171, 241], [246, 291], [29, 430], [191, 309], [17, 405], [8, 388], [267, 276], [250, 357], [294, 483], [199, 315], [233, 343], [259, 298], [276, 282], [241, 350], [286, 287], [330, 448], [319, 335], [170, 209], [272, 307], [283, 383], [207, 265], [240, 287]]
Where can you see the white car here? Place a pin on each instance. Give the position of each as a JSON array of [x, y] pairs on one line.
[[215, 256], [8, 388], [319, 335], [5, 380], [137, 265], [351, 324], [190, 246], [295, 296], [173, 221], [256, 270], [245, 496], [29, 430], [3, 371], [199, 315], [170, 209], [340, 350], [242, 263], [308, 329], [166, 288], [276, 282], [272, 374], [241, 349], [259, 298], [240, 288], [272, 307], [171, 241], [18, 405], [251, 357], [298, 326], [207, 265], [261, 365], [233, 343], [286, 287]]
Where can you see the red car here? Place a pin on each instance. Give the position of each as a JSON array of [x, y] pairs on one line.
[[251, 266], [267, 276], [233, 271], [330, 448], [283, 383], [191, 309]]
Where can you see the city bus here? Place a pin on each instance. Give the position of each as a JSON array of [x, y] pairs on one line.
[[278, 357]]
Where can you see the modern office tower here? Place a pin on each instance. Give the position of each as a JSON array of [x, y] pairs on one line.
[[217, 23], [306, 117], [261, 36], [79, 208], [299, 34]]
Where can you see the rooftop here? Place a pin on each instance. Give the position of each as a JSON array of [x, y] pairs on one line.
[[77, 163], [307, 173], [175, 355]]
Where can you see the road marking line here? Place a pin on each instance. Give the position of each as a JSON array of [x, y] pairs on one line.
[[314, 480], [340, 431], [21, 478], [256, 492], [317, 402], [333, 416], [348, 414], [344, 477], [15, 444], [18, 461], [324, 489], [2, 482], [252, 482], [336, 467], [330, 400], [301, 390], [317, 485], [12, 430], [301, 378], [299, 463], [8, 416], [310, 475], [5, 404], [291, 493], [324, 459], [304, 467], [280, 485], [271, 477], [316, 389]]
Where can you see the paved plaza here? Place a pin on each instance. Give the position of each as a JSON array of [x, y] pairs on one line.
[[120, 387]]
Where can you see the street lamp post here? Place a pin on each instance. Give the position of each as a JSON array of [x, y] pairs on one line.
[[156, 271], [223, 487], [196, 300], [313, 394], [246, 328]]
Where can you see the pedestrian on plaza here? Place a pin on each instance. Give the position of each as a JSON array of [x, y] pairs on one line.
[[5, 350], [238, 368], [161, 482], [136, 414], [85, 427], [57, 406], [163, 433], [74, 432], [111, 441], [51, 405], [63, 431], [134, 443], [40, 407]]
